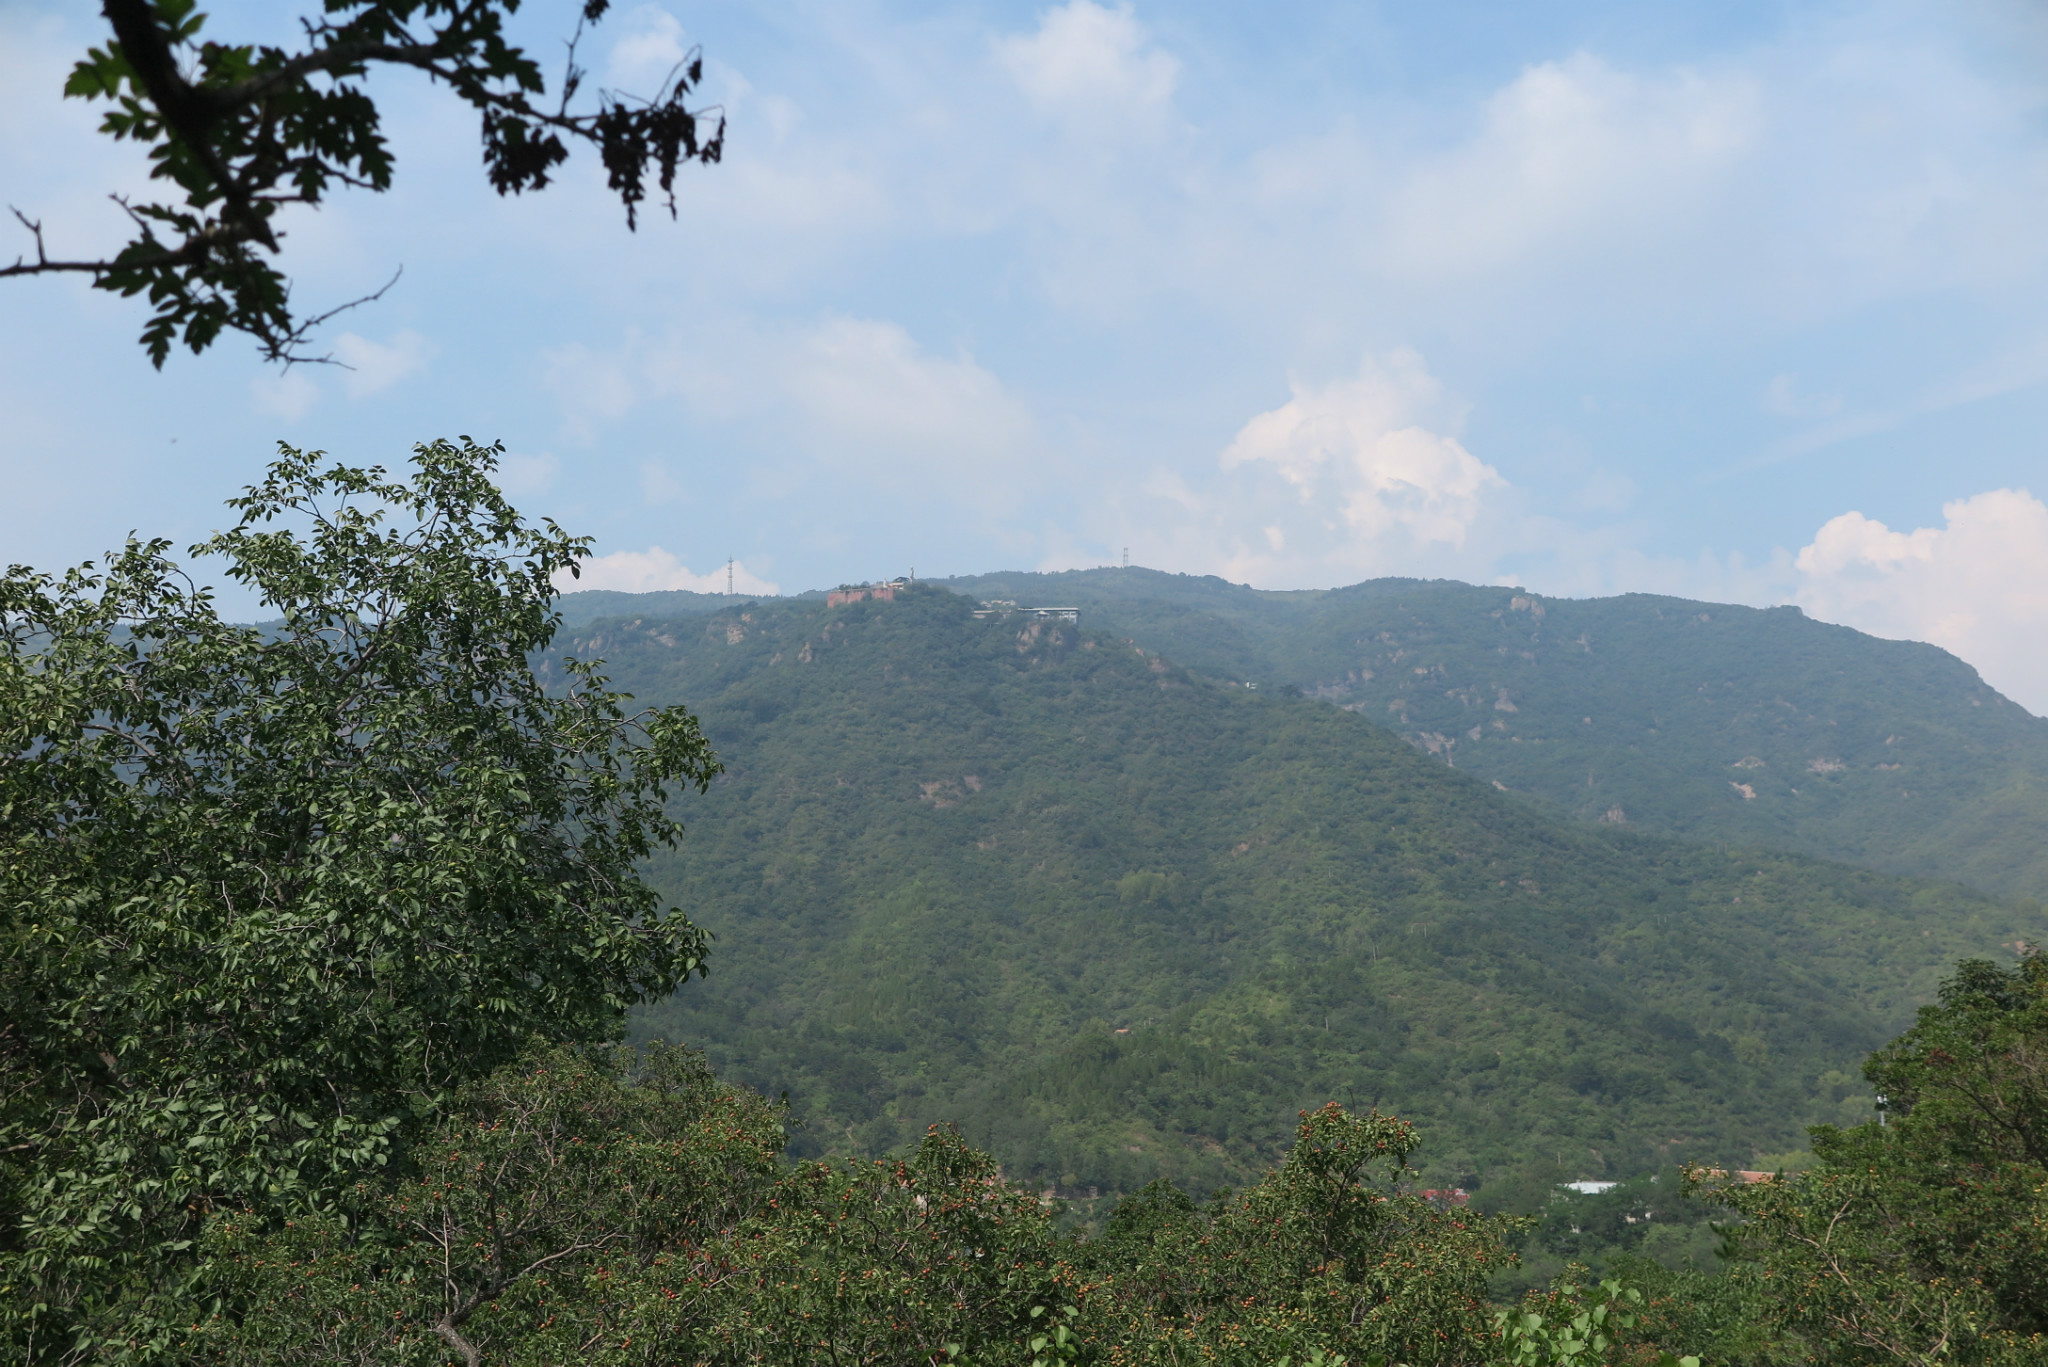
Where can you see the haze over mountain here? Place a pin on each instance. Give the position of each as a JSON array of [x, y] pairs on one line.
[[1706, 720], [1121, 919]]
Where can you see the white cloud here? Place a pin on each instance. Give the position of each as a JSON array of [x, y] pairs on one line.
[[658, 483], [839, 398], [374, 366], [60, 170], [870, 393], [654, 570], [1356, 455], [1605, 491], [2010, 369], [1093, 69], [289, 394], [1977, 586], [1569, 154], [1667, 223], [1784, 398], [650, 47], [1368, 475], [524, 474], [1356, 477], [591, 388]]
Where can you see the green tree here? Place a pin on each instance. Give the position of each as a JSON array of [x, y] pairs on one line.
[[1327, 1253], [1579, 1326], [576, 1207], [580, 1207], [269, 894], [537, 1178], [242, 131], [1923, 1239]]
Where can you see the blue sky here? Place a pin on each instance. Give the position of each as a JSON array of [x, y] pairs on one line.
[[1745, 302]]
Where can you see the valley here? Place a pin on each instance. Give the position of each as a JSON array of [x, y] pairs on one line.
[[1123, 918]]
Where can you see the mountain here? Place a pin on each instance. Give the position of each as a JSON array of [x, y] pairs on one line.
[[589, 605], [1702, 720], [1122, 920]]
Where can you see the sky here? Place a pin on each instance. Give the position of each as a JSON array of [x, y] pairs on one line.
[[1738, 301]]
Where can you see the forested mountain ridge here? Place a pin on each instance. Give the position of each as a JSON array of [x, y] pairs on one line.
[[585, 606], [1709, 721], [1121, 920]]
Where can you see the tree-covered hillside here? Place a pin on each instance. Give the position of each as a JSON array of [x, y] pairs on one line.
[[1122, 921], [1704, 720], [589, 605]]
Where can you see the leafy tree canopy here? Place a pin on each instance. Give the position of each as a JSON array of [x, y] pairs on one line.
[[242, 130], [1924, 1239], [269, 894], [1708, 721], [1121, 923], [574, 1208]]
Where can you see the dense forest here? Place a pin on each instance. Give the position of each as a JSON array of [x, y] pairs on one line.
[[1119, 1014], [1122, 921], [1706, 720]]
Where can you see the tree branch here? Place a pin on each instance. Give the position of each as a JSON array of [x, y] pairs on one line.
[[471, 1357], [300, 333], [43, 264], [188, 111], [242, 130]]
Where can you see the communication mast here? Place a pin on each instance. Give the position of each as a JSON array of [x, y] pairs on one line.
[[728, 576]]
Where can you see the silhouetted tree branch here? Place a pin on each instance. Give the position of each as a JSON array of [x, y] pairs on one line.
[[242, 131]]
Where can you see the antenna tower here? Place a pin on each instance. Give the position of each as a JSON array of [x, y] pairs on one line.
[[1127, 557], [728, 576]]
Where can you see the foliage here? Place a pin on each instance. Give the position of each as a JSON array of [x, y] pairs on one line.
[[1122, 923], [1574, 1327], [578, 1209], [1645, 1218], [267, 895], [584, 606], [243, 130], [1056, 1344], [1924, 1239], [1700, 1311], [1332, 1252], [859, 1261], [1709, 721], [575, 1208]]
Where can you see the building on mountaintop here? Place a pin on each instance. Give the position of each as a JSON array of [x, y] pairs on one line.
[[1003, 607], [854, 593]]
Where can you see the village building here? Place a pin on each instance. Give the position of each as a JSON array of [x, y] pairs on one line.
[[1003, 607]]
